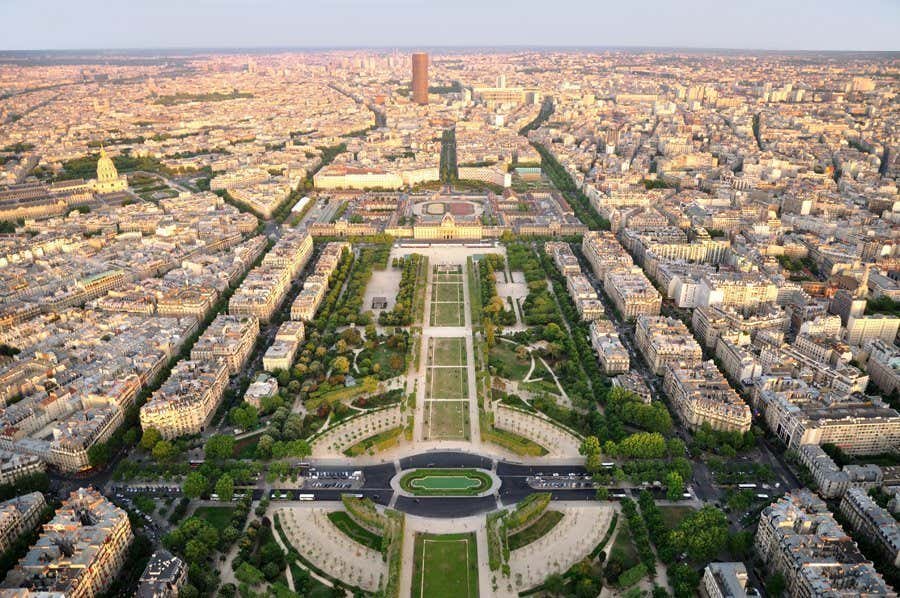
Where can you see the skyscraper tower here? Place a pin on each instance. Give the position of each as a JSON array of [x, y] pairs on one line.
[[420, 78]]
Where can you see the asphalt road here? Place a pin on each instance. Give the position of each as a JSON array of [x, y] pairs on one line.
[[513, 486]]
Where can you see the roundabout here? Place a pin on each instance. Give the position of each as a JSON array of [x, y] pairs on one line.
[[463, 482]]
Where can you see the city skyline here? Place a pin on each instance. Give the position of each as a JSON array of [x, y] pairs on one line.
[[447, 321], [870, 25]]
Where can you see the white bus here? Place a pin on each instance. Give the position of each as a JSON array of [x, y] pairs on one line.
[[746, 486], [305, 497]]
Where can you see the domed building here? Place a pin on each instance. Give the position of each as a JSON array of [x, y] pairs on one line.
[[108, 178]]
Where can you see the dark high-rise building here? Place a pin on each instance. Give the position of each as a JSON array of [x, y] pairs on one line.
[[420, 78]]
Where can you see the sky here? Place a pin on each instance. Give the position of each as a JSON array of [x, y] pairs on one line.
[[742, 24]]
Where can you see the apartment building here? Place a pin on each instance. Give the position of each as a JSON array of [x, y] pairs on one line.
[[738, 362], [800, 414], [193, 301], [724, 580], [604, 252], [833, 481], [291, 252], [841, 378], [868, 328], [883, 365], [741, 290], [230, 338], [163, 577], [876, 524], [19, 516], [611, 352], [186, 402], [308, 300], [79, 552], [632, 293], [702, 395], [280, 355], [261, 293], [664, 341], [798, 537], [330, 257], [15, 466], [710, 322], [563, 257]]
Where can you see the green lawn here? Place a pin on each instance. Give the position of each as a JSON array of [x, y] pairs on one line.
[[624, 546], [245, 448], [382, 355], [536, 530], [448, 351], [375, 443], [218, 517], [312, 587], [447, 420], [447, 314], [509, 440], [503, 357], [458, 482], [445, 566], [672, 516], [448, 383], [445, 482], [355, 531], [444, 292]]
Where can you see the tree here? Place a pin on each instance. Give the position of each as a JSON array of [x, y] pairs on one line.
[[164, 451], [189, 591], [225, 488], [249, 574], [230, 534], [555, 584], [701, 534], [99, 454], [490, 332], [219, 446], [195, 484], [683, 579], [674, 485], [340, 365], [149, 439], [740, 544], [245, 416], [196, 551], [589, 446], [264, 446], [552, 332], [776, 584], [602, 493], [643, 445]]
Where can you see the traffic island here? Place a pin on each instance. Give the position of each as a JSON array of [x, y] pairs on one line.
[[445, 482]]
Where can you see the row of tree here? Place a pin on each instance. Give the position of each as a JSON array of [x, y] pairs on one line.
[[402, 312]]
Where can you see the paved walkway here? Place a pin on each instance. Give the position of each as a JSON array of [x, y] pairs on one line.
[[573, 538], [315, 537]]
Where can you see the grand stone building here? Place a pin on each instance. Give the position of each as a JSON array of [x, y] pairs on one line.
[[448, 230]]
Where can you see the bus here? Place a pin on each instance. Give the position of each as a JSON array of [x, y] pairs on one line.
[[306, 497], [746, 486], [608, 465]]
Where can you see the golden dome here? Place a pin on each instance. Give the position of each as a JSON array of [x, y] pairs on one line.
[[106, 170]]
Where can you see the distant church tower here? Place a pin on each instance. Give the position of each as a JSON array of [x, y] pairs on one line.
[[108, 179]]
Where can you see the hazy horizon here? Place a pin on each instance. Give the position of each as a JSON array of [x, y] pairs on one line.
[[169, 25]]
